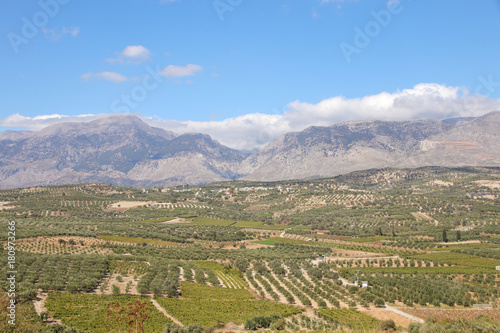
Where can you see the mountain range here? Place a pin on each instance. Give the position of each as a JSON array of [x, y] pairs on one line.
[[124, 150]]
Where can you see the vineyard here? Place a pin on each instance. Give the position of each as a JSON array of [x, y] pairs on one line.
[[215, 306], [89, 312], [229, 277], [350, 318]]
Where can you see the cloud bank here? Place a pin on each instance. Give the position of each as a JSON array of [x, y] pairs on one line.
[[252, 131]]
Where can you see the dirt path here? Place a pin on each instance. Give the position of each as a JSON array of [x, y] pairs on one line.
[[282, 235], [162, 310], [345, 283], [386, 314], [424, 216], [123, 206], [39, 304], [404, 314], [360, 258], [460, 243], [176, 221]]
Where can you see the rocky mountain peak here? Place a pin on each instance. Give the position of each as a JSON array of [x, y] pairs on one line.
[[124, 150]]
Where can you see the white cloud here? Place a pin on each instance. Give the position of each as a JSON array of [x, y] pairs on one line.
[[39, 122], [132, 54], [136, 52], [245, 132], [55, 34], [108, 76], [426, 100], [180, 71], [251, 131]]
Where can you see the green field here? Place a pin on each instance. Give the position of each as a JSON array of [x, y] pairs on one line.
[[88, 312], [225, 273], [350, 318], [159, 220], [199, 220], [368, 239], [460, 259], [211, 306], [248, 224], [137, 240], [291, 241], [412, 270], [266, 242], [201, 291], [211, 221]]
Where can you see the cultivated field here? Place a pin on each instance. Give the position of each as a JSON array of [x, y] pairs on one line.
[[347, 253]]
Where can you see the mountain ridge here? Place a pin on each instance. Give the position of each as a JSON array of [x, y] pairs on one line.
[[124, 150]]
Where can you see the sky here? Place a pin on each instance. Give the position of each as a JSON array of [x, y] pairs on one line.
[[247, 71]]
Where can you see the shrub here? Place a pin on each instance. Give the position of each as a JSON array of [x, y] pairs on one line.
[[115, 290], [388, 326], [174, 328], [261, 322], [379, 302]]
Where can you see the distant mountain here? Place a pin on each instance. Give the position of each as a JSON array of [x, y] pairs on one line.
[[124, 150], [189, 159], [121, 149], [471, 143], [360, 145]]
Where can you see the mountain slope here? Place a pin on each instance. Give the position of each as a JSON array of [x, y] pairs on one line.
[[473, 143], [124, 150], [108, 150], [189, 159], [360, 145]]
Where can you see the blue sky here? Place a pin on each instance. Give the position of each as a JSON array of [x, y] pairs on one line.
[[243, 66]]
